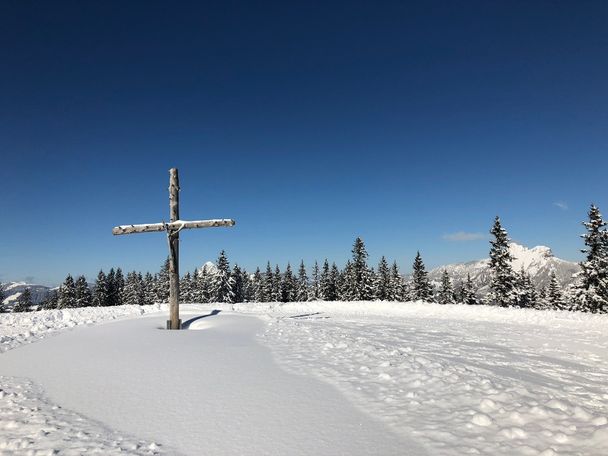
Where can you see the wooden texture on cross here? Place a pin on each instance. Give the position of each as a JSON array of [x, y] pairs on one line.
[[173, 236], [172, 228]]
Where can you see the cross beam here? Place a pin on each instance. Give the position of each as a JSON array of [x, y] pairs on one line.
[[172, 228]]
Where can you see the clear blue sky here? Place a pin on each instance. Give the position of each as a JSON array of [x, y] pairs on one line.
[[309, 123]]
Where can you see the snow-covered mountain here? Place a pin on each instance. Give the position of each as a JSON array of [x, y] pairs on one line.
[[209, 267], [538, 261], [12, 291]]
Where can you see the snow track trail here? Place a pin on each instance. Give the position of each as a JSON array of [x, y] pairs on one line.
[[215, 392]]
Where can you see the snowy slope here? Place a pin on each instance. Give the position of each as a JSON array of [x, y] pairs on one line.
[[13, 290], [538, 262]]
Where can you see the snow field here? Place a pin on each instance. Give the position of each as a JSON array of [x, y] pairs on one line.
[[460, 380], [29, 423], [25, 327], [454, 379]]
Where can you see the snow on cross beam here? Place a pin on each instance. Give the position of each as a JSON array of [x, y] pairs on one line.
[[172, 228]]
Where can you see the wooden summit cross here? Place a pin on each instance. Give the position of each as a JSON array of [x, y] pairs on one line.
[[172, 228]]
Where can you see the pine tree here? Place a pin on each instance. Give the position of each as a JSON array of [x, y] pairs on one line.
[[302, 292], [360, 277], [331, 292], [421, 288], [248, 291], [541, 300], [101, 294], [276, 285], [446, 291], [257, 285], [203, 286], [185, 288], [503, 286], [222, 284], [119, 285], [591, 293], [111, 279], [149, 289], [2, 298], [67, 294], [288, 286], [554, 297], [162, 283], [324, 284], [383, 283], [315, 288], [24, 301], [468, 294], [267, 285], [133, 291], [526, 295], [396, 281], [83, 294], [347, 283], [238, 286], [50, 300]]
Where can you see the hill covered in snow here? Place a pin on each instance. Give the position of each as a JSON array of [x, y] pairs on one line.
[[538, 261], [13, 290]]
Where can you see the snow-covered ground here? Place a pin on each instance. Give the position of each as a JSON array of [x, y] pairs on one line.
[[361, 378]]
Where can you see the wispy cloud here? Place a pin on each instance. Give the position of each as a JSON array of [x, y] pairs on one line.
[[461, 236], [562, 205]]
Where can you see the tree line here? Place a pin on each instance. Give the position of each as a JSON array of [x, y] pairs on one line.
[[357, 281]]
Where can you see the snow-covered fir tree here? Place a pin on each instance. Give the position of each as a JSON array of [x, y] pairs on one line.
[[331, 290], [247, 286], [302, 292], [541, 298], [267, 284], [50, 301], [67, 294], [396, 284], [24, 301], [420, 288], [133, 290], [446, 290], [324, 281], [554, 299], [315, 286], [288, 285], [3, 307], [468, 294], [149, 289], [101, 291], [383, 283], [359, 284], [591, 293], [161, 283], [527, 296], [257, 286], [186, 288], [503, 286], [223, 281], [276, 285], [117, 288], [84, 297], [202, 286], [238, 286]]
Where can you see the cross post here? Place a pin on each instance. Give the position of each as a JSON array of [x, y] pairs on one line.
[[172, 228]]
